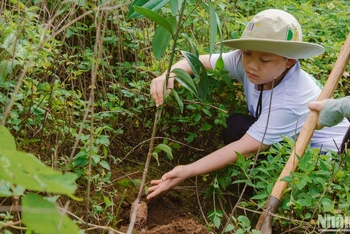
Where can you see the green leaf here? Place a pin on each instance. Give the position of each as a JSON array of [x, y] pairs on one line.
[[5, 189], [175, 5], [6, 66], [229, 228], [220, 64], [157, 18], [6, 139], [307, 216], [193, 47], [127, 93], [185, 80], [43, 217], [205, 127], [324, 173], [153, 5], [18, 190], [324, 166], [302, 180], [303, 176], [9, 43], [290, 141], [155, 155], [269, 188], [191, 137], [161, 39], [178, 99], [243, 181], [225, 181], [244, 221], [105, 151], [96, 158], [199, 72], [287, 179], [261, 184], [26, 170], [328, 205], [213, 27], [165, 148], [217, 221], [297, 205], [305, 202], [207, 112], [240, 159], [81, 3], [305, 163], [103, 140], [107, 201], [70, 32], [213, 17], [105, 165], [301, 184], [195, 64], [136, 182], [197, 117], [260, 196]]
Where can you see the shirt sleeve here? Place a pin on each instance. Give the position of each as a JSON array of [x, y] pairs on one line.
[[233, 64]]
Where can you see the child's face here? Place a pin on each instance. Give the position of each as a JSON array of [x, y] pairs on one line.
[[262, 67]]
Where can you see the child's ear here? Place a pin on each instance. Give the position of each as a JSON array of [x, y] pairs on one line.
[[290, 62]]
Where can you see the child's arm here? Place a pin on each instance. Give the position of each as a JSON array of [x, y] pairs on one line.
[[332, 111], [212, 162]]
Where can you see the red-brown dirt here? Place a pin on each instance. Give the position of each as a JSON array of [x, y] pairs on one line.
[[170, 214]]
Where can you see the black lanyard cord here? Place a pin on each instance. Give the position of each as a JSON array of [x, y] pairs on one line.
[[259, 105]]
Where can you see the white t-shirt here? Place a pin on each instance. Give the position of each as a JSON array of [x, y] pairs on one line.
[[289, 107]]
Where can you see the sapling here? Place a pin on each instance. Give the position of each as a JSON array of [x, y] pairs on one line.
[[200, 90], [154, 130]]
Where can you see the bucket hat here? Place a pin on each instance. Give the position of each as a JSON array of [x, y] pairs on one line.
[[275, 31]]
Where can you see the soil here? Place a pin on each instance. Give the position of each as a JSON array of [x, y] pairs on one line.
[[168, 214], [176, 211]]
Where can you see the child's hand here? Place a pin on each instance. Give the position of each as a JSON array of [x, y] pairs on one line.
[[318, 106], [332, 111], [168, 181], [157, 89]]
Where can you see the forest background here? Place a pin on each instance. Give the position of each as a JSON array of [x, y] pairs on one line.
[[74, 95]]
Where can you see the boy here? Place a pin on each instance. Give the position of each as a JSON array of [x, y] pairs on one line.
[[266, 62]]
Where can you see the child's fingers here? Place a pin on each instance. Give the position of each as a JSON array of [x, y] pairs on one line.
[[156, 182], [317, 106]]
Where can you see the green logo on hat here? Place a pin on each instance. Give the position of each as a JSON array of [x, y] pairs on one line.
[[290, 34]]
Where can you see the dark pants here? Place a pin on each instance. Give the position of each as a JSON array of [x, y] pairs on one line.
[[238, 125]]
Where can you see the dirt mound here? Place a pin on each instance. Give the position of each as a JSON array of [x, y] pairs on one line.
[[182, 225], [171, 214]]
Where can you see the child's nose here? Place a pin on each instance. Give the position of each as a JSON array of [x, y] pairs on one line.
[[252, 64]]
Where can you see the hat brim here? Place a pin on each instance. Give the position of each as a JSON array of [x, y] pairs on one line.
[[289, 49]]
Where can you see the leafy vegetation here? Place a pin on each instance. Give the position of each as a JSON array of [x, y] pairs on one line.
[[74, 91]]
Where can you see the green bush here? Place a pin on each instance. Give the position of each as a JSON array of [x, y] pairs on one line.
[[48, 48]]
